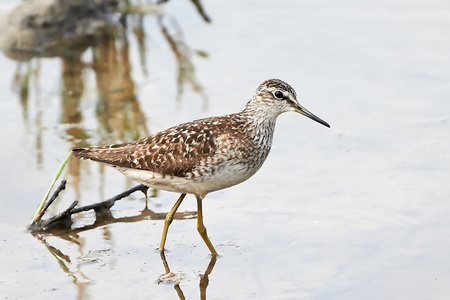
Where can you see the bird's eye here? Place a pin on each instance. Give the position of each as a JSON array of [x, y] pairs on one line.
[[278, 94]]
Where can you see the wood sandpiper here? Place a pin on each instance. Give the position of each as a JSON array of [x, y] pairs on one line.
[[206, 155]]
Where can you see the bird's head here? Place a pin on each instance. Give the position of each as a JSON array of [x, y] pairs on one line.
[[276, 96]]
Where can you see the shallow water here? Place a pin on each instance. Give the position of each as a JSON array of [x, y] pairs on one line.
[[356, 211]]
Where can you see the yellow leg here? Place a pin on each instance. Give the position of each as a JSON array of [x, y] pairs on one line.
[[202, 229], [169, 219]]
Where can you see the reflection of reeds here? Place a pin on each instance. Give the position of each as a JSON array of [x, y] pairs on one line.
[[198, 5], [118, 109], [139, 33], [71, 93], [185, 68], [200, 10], [21, 84]]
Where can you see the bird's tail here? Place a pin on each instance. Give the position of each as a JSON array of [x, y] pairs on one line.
[[112, 155], [81, 153]]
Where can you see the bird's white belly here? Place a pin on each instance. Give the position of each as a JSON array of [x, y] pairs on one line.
[[199, 186]]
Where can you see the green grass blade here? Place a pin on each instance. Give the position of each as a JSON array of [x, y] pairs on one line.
[[58, 173]]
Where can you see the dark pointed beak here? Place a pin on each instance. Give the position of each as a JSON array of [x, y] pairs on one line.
[[301, 110]]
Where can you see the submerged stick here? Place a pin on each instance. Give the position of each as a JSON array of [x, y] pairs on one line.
[[61, 187], [63, 219], [58, 173]]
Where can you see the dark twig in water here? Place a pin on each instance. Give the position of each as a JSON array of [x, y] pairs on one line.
[[49, 202], [63, 219], [107, 204]]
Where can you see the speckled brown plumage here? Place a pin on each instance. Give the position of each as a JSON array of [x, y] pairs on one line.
[[178, 151], [205, 155]]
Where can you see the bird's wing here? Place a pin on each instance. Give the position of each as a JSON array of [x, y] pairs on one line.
[[176, 151]]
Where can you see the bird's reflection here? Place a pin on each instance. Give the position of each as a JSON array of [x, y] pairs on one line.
[[170, 277]]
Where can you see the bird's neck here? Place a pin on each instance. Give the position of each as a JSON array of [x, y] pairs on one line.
[[260, 124], [260, 114]]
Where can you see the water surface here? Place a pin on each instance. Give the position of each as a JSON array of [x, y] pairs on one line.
[[356, 211]]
